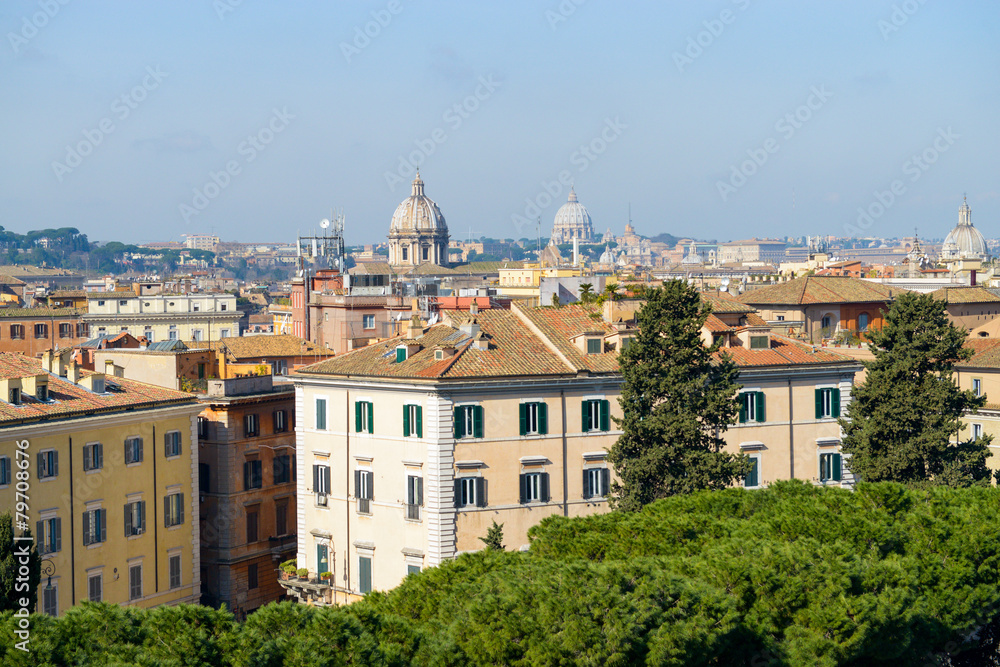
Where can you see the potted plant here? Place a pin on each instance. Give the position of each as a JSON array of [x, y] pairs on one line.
[[325, 576], [288, 569], [303, 573]]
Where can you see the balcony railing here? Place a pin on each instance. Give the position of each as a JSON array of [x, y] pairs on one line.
[[364, 506], [413, 512]]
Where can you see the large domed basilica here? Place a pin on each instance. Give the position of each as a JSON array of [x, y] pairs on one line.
[[572, 222], [965, 241], [418, 233]]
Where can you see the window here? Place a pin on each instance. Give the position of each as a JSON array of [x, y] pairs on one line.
[[95, 526], [405, 254], [281, 517], [82, 330], [204, 478], [365, 562], [48, 533], [596, 482], [133, 450], [827, 403], [15, 396], [223, 307], [48, 464], [202, 428], [135, 582], [122, 302], [252, 576], [759, 342], [252, 525], [977, 387], [279, 367], [17, 331], [368, 321], [252, 474], [172, 444], [425, 254], [752, 407], [400, 354], [781, 318], [321, 483], [863, 322], [414, 496], [412, 569], [534, 419], [596, 415], [468, 421], [251, 425], [282, 468], [93, 456], [95, 586], [41, 330], [42, 393], [977, 431], [752, 478], [364, 490], [280, 421], [595, 346], [65, 330], [470, 492], [148, 333], [100, 303], [535, 487], [174, 568], [135, 518], [50, 600], [173, 510], [195, 307], [172, 334], [224, 333], [320, 414], [4, 470], [413, 421], [829, 467], [364, 417]]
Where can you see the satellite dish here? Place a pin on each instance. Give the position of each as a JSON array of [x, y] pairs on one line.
[[724, 284], [324, 223]]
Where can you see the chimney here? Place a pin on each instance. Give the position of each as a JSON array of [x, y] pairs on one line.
[[474, 307], [972, 278], [416, 328], [47, 361], [73, 372], [470, 328]]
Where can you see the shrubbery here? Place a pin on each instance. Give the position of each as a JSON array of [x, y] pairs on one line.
[[791, 575]]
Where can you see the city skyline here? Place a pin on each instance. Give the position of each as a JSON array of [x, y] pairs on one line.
[[728, 120]]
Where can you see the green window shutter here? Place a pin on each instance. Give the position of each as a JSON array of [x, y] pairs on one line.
[[836, 402], [128, 520], [365, 574], [357, 416], [400, 355], [39, 527], [836, 467], [544, 487], [605, 415], [103, 517], [761, 416], [480, 484], [605, 482], [371, 417], [458, 492], [585, 412], [420, 421], [459, 424], [420, 491], [477, 421], [524, 488], [754, 473], [743, 408], [543, 418], [86, 528], [406, 421], [57, 523], [587, 491], [819, 404], [523, 409], [357, 483]]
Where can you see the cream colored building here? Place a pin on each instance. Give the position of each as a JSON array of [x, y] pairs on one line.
[[159, 317], [410, 448], [981, 375], [524, 282], [112, 482]]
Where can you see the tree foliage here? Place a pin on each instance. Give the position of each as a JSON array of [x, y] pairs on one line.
[[676, 401], [494, 537], [901, 420]]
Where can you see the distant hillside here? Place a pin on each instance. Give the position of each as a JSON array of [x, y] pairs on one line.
[[669, 239]]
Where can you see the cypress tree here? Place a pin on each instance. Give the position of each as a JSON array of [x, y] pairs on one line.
[[677, 399], [901, 421]]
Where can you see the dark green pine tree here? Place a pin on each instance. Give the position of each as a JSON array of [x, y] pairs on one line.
[[902, 419], [494, 537], [10, 563], [677, 399]]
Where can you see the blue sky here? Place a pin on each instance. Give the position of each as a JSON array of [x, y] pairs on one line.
[[252, 119]]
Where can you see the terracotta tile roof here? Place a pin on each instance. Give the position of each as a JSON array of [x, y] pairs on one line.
[[371, 269], [715, 325], [965, 295], [559, 325], [70, 400], [985, 353], [784, 352], [754, 320], [10, 280], [280, 345], [39, 313], [723, 302], [67, 292], [121, 294], [822, 289]]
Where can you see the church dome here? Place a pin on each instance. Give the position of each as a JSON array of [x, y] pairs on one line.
[[607, 257], [418, 212], [572, 222], [964, 241]]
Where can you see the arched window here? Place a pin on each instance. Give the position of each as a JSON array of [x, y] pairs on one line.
[[825, 322], [863, 322]]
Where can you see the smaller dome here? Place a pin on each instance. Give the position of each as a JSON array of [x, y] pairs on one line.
[[418, 212], [607, 257], [964, 241]]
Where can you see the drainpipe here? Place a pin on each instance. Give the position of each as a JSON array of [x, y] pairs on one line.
[[791, 433]]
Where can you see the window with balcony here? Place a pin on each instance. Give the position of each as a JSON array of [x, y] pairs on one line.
[[414, 497], [364, 490]]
